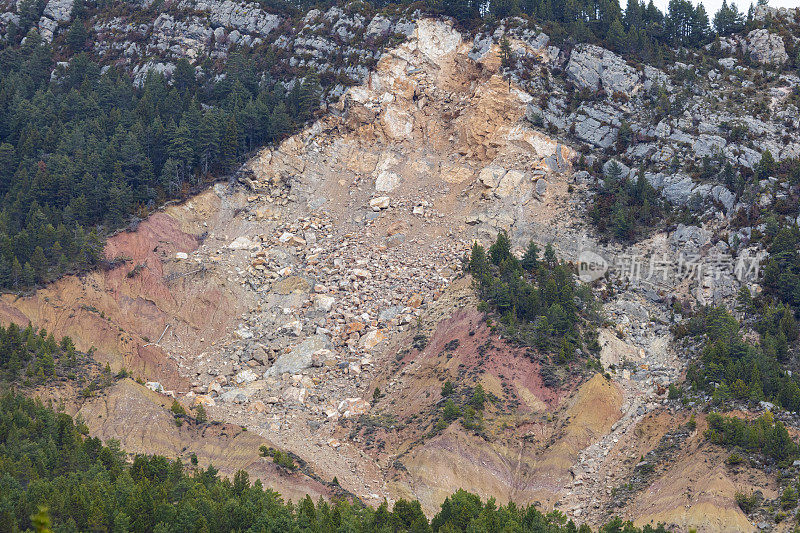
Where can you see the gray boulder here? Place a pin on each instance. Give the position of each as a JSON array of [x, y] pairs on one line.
[[299, 358], [59, 10], [689, 236], [766, 47], [378, 28]]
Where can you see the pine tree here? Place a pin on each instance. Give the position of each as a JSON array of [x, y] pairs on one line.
[[183, 78], [180, 149], [77, 35], [478, 264], [309, 95], [728, 19], [39, 263], [766, 166], [530, 260], [28, 275], [506, 55], [229, 145], [550, 256], [208, 141], [16, 272], [633, 14], [119, 198], [41, 520], [280, 122], [200, 414], [501, 249]]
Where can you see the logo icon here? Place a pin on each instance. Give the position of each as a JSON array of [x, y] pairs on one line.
[[591, 266]]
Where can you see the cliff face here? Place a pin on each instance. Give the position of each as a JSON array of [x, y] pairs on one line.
[[331, 270]]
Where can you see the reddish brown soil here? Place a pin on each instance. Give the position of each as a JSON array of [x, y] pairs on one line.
[[120, 316], [500, 358]]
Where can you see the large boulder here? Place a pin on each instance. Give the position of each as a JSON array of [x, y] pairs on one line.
[[59, 10], [766, 47], [299, 358], [378, 28], [510, 183]]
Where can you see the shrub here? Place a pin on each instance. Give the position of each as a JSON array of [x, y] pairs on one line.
[[747, 503], [447, 389], [450, 411], [177, 408]]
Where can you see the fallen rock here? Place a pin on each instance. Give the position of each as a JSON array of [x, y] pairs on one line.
[[372, 339], [299, 358], [352, 407], [295, 394], [205, 401], [240, 243], [381, 202], [323, 302], [490, 176]]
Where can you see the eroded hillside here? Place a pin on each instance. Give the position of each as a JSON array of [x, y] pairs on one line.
[[319, 301]]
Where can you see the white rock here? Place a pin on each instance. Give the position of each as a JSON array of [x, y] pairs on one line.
[[240, 243], [387, 181], [381, 202], [323, 303], [491, 176]]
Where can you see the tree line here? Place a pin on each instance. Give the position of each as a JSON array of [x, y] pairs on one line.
[[83, 151], [33, 352], [55, 478], [763, 435], [641, 30]]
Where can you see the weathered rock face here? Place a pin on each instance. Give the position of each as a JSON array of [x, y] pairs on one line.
[[766, 47], [59, 10], [55, 12], [242, 16], [762, 12], [593, 67]]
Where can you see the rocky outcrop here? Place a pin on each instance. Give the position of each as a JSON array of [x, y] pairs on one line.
[[761, 45], [244, 17], [163, 69], [597, 125], [55, 12], [766, 47], [59, 10], [764, 12], [593, 67]]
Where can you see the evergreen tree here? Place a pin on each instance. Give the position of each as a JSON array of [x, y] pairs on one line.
[[28, 274], [77, 35], [500, 250], [530, 260], [728, 19], [39, 264]]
